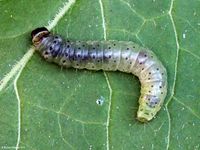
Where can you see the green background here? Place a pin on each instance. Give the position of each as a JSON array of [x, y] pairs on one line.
[[58, 106]]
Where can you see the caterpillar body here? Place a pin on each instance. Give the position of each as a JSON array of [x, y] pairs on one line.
[[109, 56]]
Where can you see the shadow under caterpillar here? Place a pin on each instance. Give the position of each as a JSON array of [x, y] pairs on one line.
[[109, 56]]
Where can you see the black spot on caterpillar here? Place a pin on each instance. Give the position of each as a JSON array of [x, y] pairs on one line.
[[109, 56]]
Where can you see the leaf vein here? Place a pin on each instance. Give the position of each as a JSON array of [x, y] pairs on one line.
[[175, 71], [191, 53], [190, 109]]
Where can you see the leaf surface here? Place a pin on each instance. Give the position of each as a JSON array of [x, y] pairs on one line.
[[43, 106]]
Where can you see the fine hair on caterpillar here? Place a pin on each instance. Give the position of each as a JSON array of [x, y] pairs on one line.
[[112, 55]]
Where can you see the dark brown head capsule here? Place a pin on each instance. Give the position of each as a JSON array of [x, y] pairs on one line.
[[38, 34]]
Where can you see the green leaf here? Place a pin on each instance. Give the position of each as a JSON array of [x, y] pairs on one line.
[[43, 106]]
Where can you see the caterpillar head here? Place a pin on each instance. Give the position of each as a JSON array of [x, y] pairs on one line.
[[38, 34]]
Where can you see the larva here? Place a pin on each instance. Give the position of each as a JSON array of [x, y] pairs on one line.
[[109, 56]]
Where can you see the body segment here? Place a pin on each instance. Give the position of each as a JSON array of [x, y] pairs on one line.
[[110, 56]]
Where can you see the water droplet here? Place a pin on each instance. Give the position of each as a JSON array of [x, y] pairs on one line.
[[184, 35], [100, 100], [90, 147]]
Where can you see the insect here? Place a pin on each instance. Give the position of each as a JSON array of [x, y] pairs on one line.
[[109, 56]]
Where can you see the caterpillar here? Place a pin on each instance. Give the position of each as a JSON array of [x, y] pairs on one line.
[[109, 56]]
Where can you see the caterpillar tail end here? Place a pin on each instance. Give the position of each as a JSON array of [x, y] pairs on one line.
[[143, 117], [149, 105], [146, 114]]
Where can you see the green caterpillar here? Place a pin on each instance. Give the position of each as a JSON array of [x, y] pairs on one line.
[[109, 56]]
